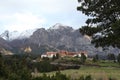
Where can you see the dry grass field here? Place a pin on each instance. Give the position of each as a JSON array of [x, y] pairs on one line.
[[97, 73]]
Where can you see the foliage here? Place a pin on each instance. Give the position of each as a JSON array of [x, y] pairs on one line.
[[95, 58], [85, 78], [112, 78], [14, 69], [103, 24], [81, 78], [44, 66], [111, 57], [3, 69], [88, 77], [118, 58], [55, 57], [107, 63], [20, 68], [83, 58]]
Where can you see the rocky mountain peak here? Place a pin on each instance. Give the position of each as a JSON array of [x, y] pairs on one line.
[[5, 35], [59, 26], [9, 36]]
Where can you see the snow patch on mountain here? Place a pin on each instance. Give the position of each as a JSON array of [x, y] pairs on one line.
[[26, 34], [9, 36], [58, 26]]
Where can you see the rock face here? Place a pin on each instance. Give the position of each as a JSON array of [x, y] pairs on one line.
[[62, 37], [58, 37], [4, 44], [5, 48]]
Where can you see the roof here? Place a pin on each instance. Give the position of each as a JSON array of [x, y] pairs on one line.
[[50, 53]]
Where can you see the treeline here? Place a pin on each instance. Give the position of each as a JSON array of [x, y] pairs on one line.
[[43, 66], [18, 67], [14, 68], [110, 57]]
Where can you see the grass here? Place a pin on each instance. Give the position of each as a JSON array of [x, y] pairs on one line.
[[108, 69], [100, 72], [108, 63], [97, 73]]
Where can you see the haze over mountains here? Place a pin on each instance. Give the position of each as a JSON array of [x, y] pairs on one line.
[[57, 37]]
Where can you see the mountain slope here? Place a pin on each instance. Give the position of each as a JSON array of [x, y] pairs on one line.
[[62, 38], [5, 48], [58, 37], [4, 44]]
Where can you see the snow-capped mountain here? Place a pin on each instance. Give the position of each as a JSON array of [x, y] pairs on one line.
[[7, 35], [26, 34], [58, 37], [59, 26]]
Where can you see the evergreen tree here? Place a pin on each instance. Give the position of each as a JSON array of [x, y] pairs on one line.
[[111, 57], [118, 58], [88, 77], [103, 25], [95, 58], [57, 56], [81, 78], [3, 70], [83, 58], [54, 57]]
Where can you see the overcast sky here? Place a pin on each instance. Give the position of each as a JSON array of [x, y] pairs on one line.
[[29, 14]]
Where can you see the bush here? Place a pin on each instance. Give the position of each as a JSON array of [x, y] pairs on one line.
[[85, 78], [88, 77]]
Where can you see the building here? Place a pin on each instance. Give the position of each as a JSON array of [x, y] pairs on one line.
[[43, 55], [64, 53], [49, 54]]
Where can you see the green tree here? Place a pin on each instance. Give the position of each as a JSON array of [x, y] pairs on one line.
[[54, 57], [3, 69], [118, 58], [103, 24], [57, 56], [83, 58], [81, 78], [88, 77], [111, 57], [95, 58]]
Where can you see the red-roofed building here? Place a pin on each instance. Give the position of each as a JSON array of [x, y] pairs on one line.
[[51, 54], [64, 53]]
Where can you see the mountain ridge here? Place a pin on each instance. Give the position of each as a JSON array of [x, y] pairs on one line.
[[60, 37], [9, 36]]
